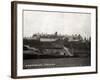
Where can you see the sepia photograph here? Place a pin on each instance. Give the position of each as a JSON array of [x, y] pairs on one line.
[[56, 39]]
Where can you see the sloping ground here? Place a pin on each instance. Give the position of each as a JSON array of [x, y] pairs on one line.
[[47, 53], [53, 49]]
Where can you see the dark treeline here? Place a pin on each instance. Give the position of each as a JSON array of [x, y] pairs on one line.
[[71, 41]]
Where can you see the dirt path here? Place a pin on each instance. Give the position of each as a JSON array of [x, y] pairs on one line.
[[67, 52]]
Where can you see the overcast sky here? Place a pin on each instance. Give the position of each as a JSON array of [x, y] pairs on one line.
[[51, 22]]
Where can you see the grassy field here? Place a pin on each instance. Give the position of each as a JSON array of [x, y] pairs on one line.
[[56, 62]]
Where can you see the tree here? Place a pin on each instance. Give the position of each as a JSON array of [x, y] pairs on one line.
[[80, 37]]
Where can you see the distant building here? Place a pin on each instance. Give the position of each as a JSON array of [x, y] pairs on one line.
[[47, 39], [71, 39]]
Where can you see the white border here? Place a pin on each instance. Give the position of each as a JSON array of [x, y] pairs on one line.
[[48, 71]]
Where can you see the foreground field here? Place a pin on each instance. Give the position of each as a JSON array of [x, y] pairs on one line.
[[56, 62]]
